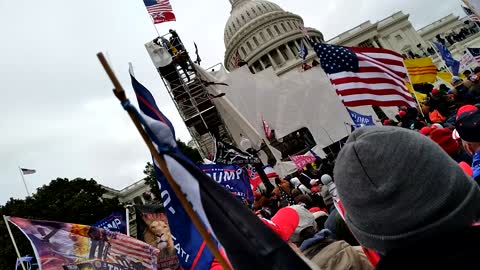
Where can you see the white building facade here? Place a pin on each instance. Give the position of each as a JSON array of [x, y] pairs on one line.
[[137, 193], [264, 35], [398, 34]]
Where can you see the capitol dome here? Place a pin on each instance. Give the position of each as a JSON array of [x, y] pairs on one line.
[[264, 35], [245, 12]]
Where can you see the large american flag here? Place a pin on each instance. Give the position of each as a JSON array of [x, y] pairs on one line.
[[475, 52], [471, 15], [366, 76], [160, 10]]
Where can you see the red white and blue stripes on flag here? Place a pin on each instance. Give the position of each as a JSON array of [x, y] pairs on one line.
[[366, 76], [160, 10], [247, 242]]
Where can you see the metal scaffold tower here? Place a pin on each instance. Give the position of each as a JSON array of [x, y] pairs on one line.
[[191, 97]]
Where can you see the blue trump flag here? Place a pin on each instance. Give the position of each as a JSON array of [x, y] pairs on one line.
[[116, 222], [360, 119], [247, 242], [447, 57], [191, 250], [233, 178]]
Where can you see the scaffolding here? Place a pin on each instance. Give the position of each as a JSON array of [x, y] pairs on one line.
[[191, 97]]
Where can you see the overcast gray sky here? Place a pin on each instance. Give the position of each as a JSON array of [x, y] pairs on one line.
[[58, 114]]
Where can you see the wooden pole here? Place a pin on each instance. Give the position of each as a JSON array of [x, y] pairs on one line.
[[414, 92], [120, 94], [14, 243]]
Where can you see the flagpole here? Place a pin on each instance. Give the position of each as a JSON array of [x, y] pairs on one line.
[[441, 58], [414, 95], [24, 183], [120, 94], [153, 22], [13, 242]]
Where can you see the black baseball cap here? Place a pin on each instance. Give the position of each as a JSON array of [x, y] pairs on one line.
[[468, 126]]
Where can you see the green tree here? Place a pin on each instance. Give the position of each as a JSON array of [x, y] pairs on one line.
[[71, 201], [190, 152], [149, 171]]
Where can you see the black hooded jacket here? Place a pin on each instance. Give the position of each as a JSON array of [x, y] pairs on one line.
[[454, 250]]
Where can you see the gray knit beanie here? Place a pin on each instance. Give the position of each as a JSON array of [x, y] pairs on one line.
[[398, 187]]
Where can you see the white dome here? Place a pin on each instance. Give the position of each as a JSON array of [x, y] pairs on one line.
[[245, 11], [262, 34]]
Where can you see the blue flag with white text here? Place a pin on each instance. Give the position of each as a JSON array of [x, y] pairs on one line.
[[360, 119], [232, 177], [116, 222]]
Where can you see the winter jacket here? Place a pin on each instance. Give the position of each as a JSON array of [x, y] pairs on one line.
[[453, 250], [327, 197], [338, 255], [462, 155]]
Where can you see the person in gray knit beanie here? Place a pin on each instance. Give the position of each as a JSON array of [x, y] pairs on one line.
[[399, 188]]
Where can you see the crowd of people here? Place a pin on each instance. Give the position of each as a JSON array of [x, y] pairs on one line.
[[453, 37], [401, 196], [443, 114]]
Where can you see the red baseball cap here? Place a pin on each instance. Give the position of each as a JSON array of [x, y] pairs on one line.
[[402, 113], [443, 137], [284, 222], [435, 91], [460, 111], [464, 109], [425, 131]]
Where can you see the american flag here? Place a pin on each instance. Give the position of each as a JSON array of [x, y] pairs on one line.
[[160, 10], [27, 171], [236, 60], [366, 76], [471, 16], [123, 246], [475, 52], [266, 128]]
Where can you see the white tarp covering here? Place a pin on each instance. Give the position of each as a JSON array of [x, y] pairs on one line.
[[288, 103]]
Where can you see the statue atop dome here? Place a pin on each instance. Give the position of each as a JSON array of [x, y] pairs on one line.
[[236, 3]]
